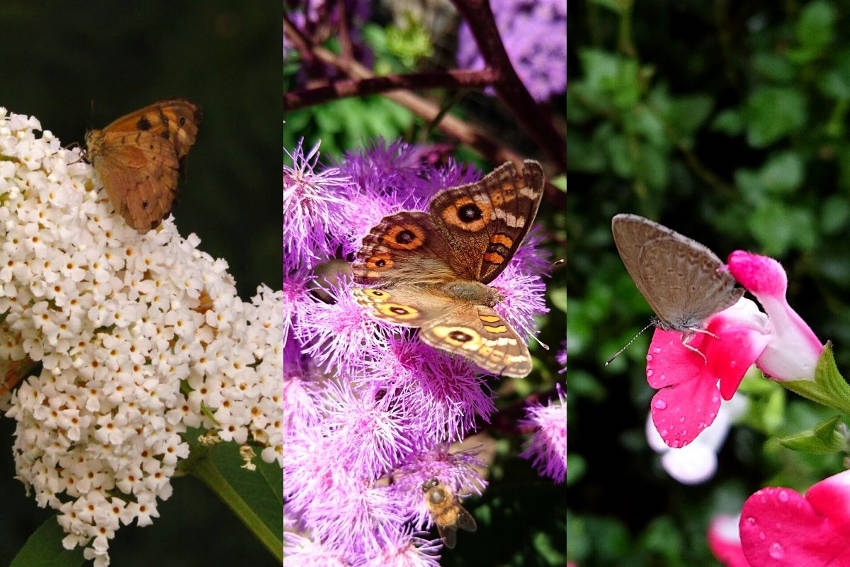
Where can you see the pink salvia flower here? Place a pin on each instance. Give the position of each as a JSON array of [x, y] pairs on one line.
[[780, 527], [724, 541], [689, 395], [793, 350]]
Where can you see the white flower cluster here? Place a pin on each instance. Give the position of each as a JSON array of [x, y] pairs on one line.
[[134, 338]]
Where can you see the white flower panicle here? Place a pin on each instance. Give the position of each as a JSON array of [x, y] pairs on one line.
[[114, 322]]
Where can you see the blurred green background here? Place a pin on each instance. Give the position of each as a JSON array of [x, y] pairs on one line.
[[726, 121], [79, 65], [521, 516]]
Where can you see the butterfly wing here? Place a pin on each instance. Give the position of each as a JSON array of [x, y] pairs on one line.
[[403, 304], [677, 276], [139, 171], [481, 335], [176, 120], [404, 247], [484, 222]]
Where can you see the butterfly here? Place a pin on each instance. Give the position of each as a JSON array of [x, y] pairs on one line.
[[679, 277], [138, 157], [430, 269]]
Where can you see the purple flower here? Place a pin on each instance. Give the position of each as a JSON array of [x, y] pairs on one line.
[[311, 208], [339, 336], [561, 358], [548, 444], [535, 36]]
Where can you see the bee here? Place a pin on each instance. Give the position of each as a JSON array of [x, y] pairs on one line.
[[446, 511]]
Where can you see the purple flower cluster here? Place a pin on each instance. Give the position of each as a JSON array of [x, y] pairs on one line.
[[535, 36], [369, 410], [547, 446]]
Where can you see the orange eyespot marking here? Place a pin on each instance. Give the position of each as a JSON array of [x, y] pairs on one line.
[[490, 318], [502, 239], [379, 262], [494, 258], [398, 311], [497, 329], [404, 237], [460, 336], [467, 214]]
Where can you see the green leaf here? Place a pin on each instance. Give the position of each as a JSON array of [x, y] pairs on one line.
[[255, 496], [828, 388], [814, 30], [773, 112], [779, 226], [783, 172], [729, 122], [774, 66], [821, 440], [558, 298], [688, 113], [611, 77], [44, 549]]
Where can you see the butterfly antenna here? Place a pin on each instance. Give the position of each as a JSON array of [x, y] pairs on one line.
[[544, 345], [628, 344]]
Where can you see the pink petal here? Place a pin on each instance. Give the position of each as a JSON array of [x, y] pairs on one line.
[[724, 542], [779, 528], [831, 498], [669, 362], [681, 412]]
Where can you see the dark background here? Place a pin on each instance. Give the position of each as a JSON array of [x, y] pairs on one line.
[[80, 65]]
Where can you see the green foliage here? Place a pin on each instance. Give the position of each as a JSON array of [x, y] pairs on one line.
[[730, 126]]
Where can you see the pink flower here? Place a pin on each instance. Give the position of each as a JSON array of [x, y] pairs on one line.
[[689, 396], [793, 350], [778, 342], [725, 543], [781, 527]]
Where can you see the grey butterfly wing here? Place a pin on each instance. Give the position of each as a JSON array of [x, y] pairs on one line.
[[480, 335], [677, 276]]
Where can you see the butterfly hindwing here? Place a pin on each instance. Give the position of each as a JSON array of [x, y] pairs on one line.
[[480, 334]]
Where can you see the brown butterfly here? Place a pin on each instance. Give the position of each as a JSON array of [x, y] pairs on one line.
[[430, 269], [137, 158]]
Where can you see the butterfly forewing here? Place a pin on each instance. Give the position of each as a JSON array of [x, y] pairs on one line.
[[677, 276], [487, 220]]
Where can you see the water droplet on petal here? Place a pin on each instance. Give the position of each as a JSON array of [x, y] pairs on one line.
[[751, 520], [660, 404], [783, 496], [649, 358], [776, 551], [682, 419], [649, 372]]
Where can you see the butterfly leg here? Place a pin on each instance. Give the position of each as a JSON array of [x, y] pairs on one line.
[[688, 336]]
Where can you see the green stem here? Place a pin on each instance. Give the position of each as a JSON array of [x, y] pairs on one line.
[[205, 471]]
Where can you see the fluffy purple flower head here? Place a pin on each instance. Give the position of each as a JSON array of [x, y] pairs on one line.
[[342, 511], [535, 36], [312, 206], [524, 297], [367, 428], [548, 444], [296, 296], [444, 393], [459, 471], [339, 336], [405, 549], [301, 551], [300, 392]]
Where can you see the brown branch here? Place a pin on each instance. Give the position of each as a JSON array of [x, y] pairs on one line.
[[294, 100], [533, 119], [449, 124]]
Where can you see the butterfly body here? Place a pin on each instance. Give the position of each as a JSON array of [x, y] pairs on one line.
[[430, 269], [138, 158]]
